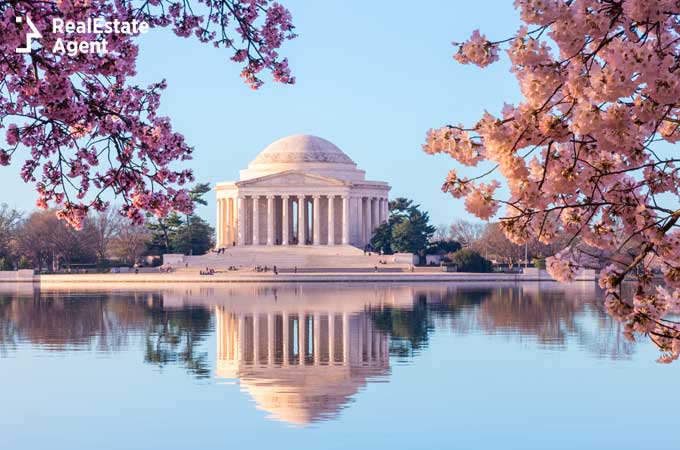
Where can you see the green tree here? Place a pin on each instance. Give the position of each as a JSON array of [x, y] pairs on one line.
[[24, 263], [188, 234], [407, 230], [443, 247], [539, 262], [162, 230], [382, 238], [194, 237], [6, 264], [467, 260]]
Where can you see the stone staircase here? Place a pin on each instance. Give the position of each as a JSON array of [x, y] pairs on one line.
[[316, 258]]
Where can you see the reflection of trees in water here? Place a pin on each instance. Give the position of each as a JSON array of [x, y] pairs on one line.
[[408, 328], [172, 337], [7, 329], [107, 322], [551, 317], [547, 317]]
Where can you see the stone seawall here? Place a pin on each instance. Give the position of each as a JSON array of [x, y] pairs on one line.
[[269, 277], [8, 276]]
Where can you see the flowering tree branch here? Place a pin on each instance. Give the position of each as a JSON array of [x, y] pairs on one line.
[[85, 129], [587, 152]]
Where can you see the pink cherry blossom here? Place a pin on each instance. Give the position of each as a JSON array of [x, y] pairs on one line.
[[560, 267], [81, 125], [476, 51], [587, 152]]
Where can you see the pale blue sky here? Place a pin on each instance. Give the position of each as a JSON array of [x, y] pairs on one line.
[[372, 77]]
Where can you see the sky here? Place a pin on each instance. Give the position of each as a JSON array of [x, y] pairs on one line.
[[372, 77]]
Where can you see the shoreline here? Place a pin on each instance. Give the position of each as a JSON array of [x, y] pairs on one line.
[[328, 277]]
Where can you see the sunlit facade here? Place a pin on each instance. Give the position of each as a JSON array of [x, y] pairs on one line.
[[300, 190]]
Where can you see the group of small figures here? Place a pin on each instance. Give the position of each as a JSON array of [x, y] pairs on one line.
[[369, 250], [208, 271], [266, 269]]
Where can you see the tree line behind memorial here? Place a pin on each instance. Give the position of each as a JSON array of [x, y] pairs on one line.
[[39, 240]]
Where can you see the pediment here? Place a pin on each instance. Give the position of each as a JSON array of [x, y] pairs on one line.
[[292, 178]]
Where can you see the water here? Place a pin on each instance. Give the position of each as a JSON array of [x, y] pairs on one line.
[[312, 366]]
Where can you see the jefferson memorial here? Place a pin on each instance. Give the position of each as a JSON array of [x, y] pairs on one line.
[[300, 190]]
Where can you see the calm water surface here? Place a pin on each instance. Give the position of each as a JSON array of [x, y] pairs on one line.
[[315, 366]]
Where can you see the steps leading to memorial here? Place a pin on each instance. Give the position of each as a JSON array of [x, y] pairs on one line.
[[288, 257]]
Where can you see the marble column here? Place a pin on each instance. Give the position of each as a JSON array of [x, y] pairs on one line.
[[241, 207], [225, 222], [345, 220], [270, 220], [230, 235], [256, 219], [381, 208], [375, 207], [219, 225], [316, 212], [231, 232], [367, 220], [331, 220], [386, 209], [284, 219], [360, 221], [302, 220]]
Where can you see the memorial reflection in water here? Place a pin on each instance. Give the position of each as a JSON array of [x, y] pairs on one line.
[[300, 366], [301, 352]]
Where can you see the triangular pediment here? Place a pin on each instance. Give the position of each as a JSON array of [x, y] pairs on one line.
[[292, 178]]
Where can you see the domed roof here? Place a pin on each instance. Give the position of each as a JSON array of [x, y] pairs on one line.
[[301, 148]]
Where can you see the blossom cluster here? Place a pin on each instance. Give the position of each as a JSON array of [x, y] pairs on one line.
[[83, 128], [477, 50], [585, 153]]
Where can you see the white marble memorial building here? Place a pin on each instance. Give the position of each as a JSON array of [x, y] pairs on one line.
[[300, 190]]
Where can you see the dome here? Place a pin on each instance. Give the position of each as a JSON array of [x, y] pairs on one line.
[[301, 148], [304, 153]]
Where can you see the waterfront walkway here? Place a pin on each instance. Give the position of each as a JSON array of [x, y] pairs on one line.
[[249, 276]]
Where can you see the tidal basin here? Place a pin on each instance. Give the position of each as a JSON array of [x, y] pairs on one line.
[[322, 365]]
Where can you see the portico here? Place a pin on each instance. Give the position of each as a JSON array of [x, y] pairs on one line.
[[301, 190]]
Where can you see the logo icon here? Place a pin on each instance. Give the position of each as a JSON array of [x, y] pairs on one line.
[[33, 34]]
